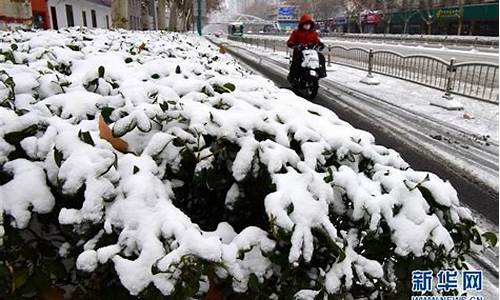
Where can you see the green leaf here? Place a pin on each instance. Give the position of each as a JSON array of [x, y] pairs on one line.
[[58, 157], [14, 47], [106, 113], [128, 60], [321, 295], [136, 169], [86, 137], [41, 279], [178, 142], [101, 71], [341, 256], [164, 106], [220, 89], [123, 126], [230, 86], [253, 282], [491, 238], [115, 163], [56, 268], [114, 85], [14, 138], [20, 277], [205, 90], [74, 47], [46, 249]]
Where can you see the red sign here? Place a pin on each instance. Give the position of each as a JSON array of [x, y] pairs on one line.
[[370, 18]]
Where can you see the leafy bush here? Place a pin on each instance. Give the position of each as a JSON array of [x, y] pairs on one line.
[[228, 182]]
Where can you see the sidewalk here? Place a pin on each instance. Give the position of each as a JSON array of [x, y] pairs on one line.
[[479, 118]]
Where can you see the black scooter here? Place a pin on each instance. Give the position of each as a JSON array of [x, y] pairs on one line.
[[312, 69]]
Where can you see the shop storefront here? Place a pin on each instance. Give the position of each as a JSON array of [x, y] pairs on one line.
[[15, 13], [340, 24], [369, 21], [40, 14], [474, 19]]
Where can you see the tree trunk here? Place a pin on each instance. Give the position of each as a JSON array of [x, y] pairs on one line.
[[144, 15], [429, 27], [388, 26], [188, 19], [161, 14], [172, 24], [405, 28], [119, 14], [459, 30]]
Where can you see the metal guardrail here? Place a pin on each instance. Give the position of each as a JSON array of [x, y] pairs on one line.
[[443, 40], [478, 80]]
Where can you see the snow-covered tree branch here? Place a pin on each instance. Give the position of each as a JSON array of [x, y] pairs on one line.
[[227, 182]]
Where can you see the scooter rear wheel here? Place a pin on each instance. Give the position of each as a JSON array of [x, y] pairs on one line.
[[312, 90]]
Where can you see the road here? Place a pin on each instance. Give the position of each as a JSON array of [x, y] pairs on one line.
[[444, 53]]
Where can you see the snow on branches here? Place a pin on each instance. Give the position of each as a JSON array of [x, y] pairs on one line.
[[226, 176]]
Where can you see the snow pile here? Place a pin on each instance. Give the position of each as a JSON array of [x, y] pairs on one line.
[[204, 135]]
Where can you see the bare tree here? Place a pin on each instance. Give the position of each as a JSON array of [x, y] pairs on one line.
[[182, 14], [387, 8], [428, 14], [460, 14], [320, 9], [261, 9], [353, 9], [119, 14], [408, 11], [327, 9]]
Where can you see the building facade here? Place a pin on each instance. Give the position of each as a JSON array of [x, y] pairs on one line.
[[149, 15], [134, 13], [15, 13], [438, 17], [88, 13], [138, 14]]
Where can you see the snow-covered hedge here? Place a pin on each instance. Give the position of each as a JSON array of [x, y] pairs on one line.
[[229, 183]]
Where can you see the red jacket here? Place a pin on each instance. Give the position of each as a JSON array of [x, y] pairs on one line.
[[301, 36]]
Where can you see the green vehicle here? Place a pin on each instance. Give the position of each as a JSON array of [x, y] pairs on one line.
[[235, 29]]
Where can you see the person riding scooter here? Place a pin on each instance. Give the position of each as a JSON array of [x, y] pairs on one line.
[[304, 36]]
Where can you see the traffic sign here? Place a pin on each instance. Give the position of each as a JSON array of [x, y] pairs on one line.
[[286, 11]]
